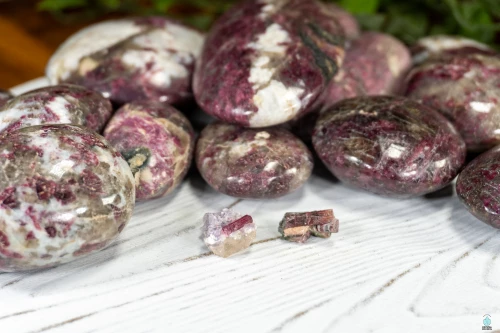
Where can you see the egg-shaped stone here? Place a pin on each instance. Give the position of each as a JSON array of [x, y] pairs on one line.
[[157, 141], [64, 193], [252, 163], [60, 104], [389, 145], [4, 97], [267, 61], [466, 89], [130, 59], [478, 187]]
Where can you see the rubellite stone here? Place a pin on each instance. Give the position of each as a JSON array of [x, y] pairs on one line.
[[60, 104], [130, 59], [4, 97], [299, 227], [466, 89], [228, 232], [478, 187], [266, 61], [375, 64], [157, 141], [439, 45], [64, 193], [347, 21], [390, 146], [251, 163]]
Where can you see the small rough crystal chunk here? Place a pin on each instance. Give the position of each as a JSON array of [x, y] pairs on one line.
[[478, 187], [375, 64], [439, 45], [228, 232], [267, 61], [4, 97], [60, 104], [64, 193], [390, 146], [251, 163], [465, 87], [131, 59], [299, 227], [157, 141]]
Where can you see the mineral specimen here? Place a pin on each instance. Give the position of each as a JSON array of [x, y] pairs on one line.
[[130, 59], [60, 104], [157, 141], [63, 194], [267, 61], [375, 64], [389, 145], [228, 232], [478, 187], [439, 45], [466, 89], [250, 163], [347, 21], [298, 227], [4, 97]]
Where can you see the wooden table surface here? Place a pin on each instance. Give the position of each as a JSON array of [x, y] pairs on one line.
[[27, 39]]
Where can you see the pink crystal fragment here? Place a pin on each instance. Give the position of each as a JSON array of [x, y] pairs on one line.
[[298, 227], [228, 232]]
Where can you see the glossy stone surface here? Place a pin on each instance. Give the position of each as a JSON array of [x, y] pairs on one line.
[[266, 61], [390, 146], [299, 227], [157, 141], [60, 104], [478, 187], [64, 193], [442, 45], [228, 232], [346, 20], [4, 97], [466, 89], [251, 163], [375, 64], [130, 59]]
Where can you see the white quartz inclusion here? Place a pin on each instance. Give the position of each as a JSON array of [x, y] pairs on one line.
[[226, 245]]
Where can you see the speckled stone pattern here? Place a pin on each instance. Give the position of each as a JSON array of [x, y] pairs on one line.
[[346, 20], [440, 45], [390, 146], [60, 104], [375, 64], [251, 163], [4, 97], [266, 61], [131, 59], [157, 141], [478, 187], [64, 193], [466, 89]]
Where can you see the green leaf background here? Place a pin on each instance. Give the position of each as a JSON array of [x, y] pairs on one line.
[[406, 19]]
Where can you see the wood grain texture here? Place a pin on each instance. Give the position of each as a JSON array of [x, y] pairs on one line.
[[420, 265]]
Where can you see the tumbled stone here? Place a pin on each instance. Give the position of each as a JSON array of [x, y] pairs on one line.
[[478, 187], [466, 89], [298, 227], [375, 64], [251, 163], [157, 141], [60, 104], [266, 61], [4, 97], [64, 193], [389, 145], [131, 59], [346, 20], [228, 232], [441, 45]]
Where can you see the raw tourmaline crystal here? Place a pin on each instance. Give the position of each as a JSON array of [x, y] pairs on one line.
[[228, 232], [298, 227]]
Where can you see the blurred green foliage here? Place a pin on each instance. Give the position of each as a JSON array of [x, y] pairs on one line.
[[406, 19]]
